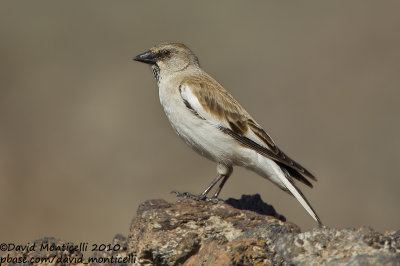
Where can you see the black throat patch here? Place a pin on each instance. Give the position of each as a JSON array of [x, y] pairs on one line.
[[156, 72]]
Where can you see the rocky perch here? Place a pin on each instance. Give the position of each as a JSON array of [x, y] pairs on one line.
[[238, 232]]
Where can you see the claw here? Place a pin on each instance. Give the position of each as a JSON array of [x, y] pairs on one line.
[[213, 200], [200, 197]]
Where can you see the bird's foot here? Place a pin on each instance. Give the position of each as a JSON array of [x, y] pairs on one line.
[[196, 197], [188, 195]]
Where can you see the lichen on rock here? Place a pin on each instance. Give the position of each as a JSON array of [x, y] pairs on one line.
[[190, 232]]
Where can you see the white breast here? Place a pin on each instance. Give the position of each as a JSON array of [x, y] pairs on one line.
[[201, 135]]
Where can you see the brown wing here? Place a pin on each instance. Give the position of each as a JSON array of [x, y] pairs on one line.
[[218, 103]]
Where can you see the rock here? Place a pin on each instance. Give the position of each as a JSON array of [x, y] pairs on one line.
[[199, 233], [168, 234], [190, 232]]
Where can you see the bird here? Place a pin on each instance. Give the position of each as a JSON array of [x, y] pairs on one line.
[[214, 124]]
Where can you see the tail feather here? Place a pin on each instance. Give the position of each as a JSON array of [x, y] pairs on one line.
[[291, 186], [281, 177], [293, 173]]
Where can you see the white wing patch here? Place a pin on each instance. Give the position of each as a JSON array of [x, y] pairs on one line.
[[188, 96]]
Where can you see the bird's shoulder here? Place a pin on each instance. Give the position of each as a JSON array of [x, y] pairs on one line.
[[213, 97]]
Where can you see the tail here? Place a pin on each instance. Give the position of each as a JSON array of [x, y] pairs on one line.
[[296, 192], [281, 177]]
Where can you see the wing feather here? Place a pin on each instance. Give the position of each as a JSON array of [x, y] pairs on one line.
[[207, 99]]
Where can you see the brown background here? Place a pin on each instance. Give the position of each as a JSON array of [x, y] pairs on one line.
[[83, 138]]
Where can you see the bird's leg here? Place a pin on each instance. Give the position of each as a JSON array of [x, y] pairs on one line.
[[224, 171], [220, 187], [204, 194]]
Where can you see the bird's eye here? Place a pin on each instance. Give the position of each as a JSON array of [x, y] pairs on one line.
[[166, 53]]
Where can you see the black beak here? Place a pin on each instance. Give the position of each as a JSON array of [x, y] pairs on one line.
[[147, 57]]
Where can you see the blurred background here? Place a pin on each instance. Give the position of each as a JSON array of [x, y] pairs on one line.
[[84, 140]]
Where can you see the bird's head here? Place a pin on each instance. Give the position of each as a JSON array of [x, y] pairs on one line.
[[169, 57]]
